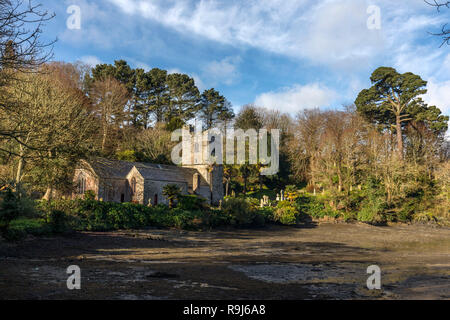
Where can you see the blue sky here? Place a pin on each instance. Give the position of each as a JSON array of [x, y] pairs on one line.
[[281, 54]]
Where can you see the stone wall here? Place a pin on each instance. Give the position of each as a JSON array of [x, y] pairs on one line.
[[153, 188], [138, 196], [215, 181], [91, 182], [217, 185], [113, 190]]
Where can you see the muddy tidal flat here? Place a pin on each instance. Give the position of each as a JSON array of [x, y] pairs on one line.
[[324, 261]]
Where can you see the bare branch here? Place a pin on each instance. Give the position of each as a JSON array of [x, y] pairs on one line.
[[445, 32]]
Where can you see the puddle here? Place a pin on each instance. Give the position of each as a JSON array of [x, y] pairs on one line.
[[191, 284], [294, 273]]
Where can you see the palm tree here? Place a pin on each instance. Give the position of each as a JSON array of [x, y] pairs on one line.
[[171, 192], [227, 175], [245, 172], [259, 168]]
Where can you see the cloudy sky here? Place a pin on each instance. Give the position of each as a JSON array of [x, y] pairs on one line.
[[283, 54]]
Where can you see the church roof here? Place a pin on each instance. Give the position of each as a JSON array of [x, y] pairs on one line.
[[116, 169], [109, 169]]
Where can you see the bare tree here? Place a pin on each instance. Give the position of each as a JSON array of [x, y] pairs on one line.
[[21, 25], [21, 50], [109, 98], [445, 32]]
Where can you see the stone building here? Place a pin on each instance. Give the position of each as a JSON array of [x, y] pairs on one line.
[[122, 181]]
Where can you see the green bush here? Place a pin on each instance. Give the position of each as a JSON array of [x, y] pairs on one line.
[[89, 195], [13, 204], [285, 213], [183, 219], [372, 210], [127, 155], [374, 204], [309, 205], [190, 202], [424, 217], [267, 213], [9, 209], [57, 220], [408, 209], [217, 218], [35, 226], [240, 209]]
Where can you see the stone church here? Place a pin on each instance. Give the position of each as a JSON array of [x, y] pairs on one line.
[[122, 181]]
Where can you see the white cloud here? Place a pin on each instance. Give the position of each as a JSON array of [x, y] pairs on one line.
[[328, 32], [138, 64], [174, 70], [199, 83], [439, 95], [91, 61], [416, 59], [223, 71], [298, 97], [295, 28]]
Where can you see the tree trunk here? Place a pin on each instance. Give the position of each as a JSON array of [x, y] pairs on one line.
[[105, 133], [398, 128], [20, 165], [19, 171], [48, 194], [227, 185], [339, 180]]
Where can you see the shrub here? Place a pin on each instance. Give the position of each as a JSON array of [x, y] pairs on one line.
[[374, 203], [217, 218], [259, 220], [127, 155], [285, 213], [89, 195], [372, 211], [183, 219], [9, 209], [33, 226], [424, 217], [14, 204], [171, 192], [309, 205], [408, 209], [291, 193], [57, 221], [240, 210], [267, 213], [190, 202]]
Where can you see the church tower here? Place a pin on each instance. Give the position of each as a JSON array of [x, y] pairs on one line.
[[194, 155]]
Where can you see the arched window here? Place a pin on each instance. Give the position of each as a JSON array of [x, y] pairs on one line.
[[155, 202], [133, 186], [81, 185]]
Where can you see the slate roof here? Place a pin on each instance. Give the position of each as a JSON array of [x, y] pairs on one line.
[[109, 169], [116, 169]]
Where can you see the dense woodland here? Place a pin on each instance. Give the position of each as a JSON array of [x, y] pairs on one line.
[[384, 157]]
